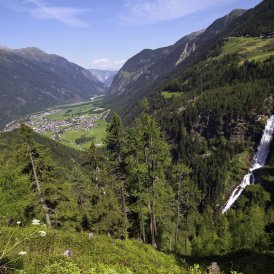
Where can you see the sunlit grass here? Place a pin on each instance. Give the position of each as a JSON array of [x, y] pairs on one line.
[[100, 251], [249, 48], [99, 131], [169, 95]]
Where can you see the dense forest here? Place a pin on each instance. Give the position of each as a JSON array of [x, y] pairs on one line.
[[163, 179], [134, 188], [219, 115]]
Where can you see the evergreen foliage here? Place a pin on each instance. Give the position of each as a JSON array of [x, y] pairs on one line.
[[163, 180]]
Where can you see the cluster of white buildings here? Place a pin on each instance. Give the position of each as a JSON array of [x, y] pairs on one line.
[[45, 125]]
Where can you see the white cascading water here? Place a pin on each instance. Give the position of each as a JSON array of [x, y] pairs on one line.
[[258, 161]]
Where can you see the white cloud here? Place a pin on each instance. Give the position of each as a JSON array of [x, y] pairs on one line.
[[107, 64], [154, 11], [43, 11]]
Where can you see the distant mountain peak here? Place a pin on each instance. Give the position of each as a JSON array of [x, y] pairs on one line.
[[219, 24], [3, 47], [190, 36], [36, 54], [104, 76], [148, 67], [32, 80], [235, 13]]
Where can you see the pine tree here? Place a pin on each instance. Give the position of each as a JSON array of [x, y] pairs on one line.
[[136, 172], [188, 199], [156, 157], [33, 155], [115, 141], [180, 176]]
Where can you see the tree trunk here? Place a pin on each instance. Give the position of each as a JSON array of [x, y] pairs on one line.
[[124, 208], [186, 232], [153, 225], [141, 215], [177, 216], [123, 200], [38, 187], [170, 241]]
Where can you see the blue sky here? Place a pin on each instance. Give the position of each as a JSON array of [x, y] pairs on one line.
[[105, 33]]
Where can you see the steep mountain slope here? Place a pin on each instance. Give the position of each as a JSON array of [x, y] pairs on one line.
[[221, 101], [149, 65], [104, 76], [234, 24], [141, 71], [31, 80], [255, 21], [224, 92]]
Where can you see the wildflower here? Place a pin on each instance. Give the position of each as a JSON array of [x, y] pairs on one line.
[[18, 222], [35, 222], [90, 235], [68, 253], [42, 233], [22, 253]]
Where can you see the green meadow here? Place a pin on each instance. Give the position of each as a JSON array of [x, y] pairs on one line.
[[69, 137], [249, 48]]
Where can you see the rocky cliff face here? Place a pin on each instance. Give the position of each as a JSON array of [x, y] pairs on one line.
[[135, 68], [149, 65], [104, 76]]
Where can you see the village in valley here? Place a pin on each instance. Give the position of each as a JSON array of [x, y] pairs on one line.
[[41, 124], [74, 125]]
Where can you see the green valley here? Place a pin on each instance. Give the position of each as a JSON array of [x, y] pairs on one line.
[[74, 125]]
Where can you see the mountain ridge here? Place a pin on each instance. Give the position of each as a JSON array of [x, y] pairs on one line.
[[32, 80], [147, 67], [104, 76]]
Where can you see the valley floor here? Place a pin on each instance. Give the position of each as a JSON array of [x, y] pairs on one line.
[[74, 125]]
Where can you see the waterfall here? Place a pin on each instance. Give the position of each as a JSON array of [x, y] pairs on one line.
[[259, 160]]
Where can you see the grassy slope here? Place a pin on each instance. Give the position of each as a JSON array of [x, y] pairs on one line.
[[69, 111], [99, 252], [249, 48], [235, 175], [99, 131], [169, 95]]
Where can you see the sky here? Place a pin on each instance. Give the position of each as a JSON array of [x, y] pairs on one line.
[[103, 34]]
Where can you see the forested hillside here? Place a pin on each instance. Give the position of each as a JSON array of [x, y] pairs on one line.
[[140, 73], [259, 18], [139, 191], [166, 167]]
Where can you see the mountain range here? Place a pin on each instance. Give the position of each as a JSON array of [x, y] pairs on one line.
[[143, 74], [148, 66], [104, 76], [32, 80]]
